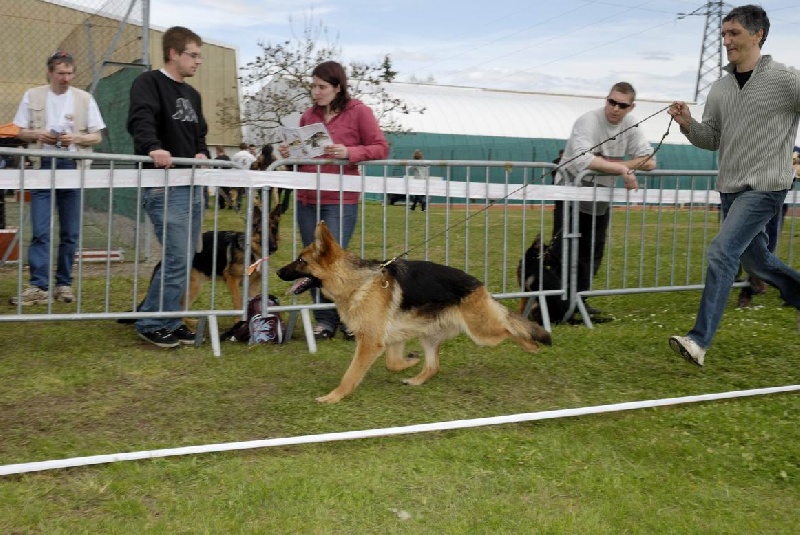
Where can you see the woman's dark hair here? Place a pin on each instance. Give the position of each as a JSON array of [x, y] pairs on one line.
[[333, 73], [264, 159]]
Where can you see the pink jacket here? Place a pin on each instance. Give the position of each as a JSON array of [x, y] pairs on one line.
[[356, 128]]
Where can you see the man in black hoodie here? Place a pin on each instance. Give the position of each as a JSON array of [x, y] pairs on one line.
[[166, 120]]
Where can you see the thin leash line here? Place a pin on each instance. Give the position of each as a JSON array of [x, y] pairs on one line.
[[492, 202]]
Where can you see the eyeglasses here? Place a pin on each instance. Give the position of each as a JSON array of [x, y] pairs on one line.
[[194, 55], [621, 105]]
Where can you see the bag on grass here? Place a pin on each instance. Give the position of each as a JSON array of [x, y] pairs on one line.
[[258, 328]]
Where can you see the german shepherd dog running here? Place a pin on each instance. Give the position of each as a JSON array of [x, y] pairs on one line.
[[222, 255], [385, 304]]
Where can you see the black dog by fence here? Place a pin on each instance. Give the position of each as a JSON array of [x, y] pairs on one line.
[[540, 260]]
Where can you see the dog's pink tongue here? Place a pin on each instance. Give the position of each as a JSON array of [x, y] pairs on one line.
[[298, 286]]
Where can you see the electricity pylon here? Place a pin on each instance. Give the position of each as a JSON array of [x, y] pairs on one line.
[[710, 68]]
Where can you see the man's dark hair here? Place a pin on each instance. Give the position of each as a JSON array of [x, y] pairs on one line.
[[752, 18], [625, 88], [177, 38]]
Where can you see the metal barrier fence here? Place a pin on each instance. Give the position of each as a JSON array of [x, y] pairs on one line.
[[483, 224], [657, 238]]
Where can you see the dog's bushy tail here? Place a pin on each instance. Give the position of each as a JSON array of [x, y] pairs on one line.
[[519, 327]]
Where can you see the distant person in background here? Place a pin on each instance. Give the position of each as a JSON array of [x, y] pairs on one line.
[[356, 137], [56, 116], [244, 159], [755, 146], [264, 159], [225, 192], [418, 172]]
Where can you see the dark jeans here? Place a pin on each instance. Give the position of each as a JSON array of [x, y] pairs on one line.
[[68, 206], [742, 237], [773, 230], [176, 214], [591, 244], [341, 221]]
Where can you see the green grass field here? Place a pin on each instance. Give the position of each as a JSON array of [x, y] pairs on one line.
[[92, 387]]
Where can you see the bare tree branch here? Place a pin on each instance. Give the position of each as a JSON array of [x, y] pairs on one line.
[[276, 85]]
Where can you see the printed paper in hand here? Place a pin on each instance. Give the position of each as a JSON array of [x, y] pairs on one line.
[[306, 141]]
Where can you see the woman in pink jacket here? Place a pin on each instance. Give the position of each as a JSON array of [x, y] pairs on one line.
[[356, 137]]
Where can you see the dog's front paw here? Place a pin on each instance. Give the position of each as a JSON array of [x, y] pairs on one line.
[[330, 398]]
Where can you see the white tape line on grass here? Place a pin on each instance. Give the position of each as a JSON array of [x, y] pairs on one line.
[[389, 431]]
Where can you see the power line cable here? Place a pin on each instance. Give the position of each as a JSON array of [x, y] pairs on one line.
[[552, 38]]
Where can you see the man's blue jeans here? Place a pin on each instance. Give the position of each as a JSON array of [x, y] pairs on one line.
[[169, 208], [68, 204], [742, 236], [341, 226]]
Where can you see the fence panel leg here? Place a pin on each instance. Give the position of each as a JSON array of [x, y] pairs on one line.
[[305, 314], [213, 334], [287, 335]]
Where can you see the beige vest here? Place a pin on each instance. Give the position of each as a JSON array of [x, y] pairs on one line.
[[37, 104]]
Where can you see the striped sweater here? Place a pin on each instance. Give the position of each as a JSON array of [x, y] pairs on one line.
[[753, 128]]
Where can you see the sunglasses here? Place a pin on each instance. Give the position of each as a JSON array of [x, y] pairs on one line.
[[621, 105], [60, 55]]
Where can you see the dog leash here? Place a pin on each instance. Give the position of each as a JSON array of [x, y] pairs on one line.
[[255, 265], [492, 202]]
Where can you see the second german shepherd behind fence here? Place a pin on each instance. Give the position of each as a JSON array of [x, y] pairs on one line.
[[223, 255], [387, 304]]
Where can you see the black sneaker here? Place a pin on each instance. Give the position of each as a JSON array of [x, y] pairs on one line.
[[593, 311], [323, 333], [348, 335], [184, 335], [160, 337]]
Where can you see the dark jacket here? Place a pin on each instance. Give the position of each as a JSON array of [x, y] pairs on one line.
[[165, 114]]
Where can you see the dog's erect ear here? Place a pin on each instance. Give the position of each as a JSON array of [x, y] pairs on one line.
[[323, 239], [256, 216]]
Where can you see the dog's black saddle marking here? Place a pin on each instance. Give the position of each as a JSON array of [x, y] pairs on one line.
[[429, 287]]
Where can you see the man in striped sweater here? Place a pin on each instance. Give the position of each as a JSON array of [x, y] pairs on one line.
[[750, 117]]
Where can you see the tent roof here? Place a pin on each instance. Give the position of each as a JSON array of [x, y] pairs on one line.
[[487, 112]]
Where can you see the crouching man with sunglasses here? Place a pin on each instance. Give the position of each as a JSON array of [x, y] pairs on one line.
[[602, 140]]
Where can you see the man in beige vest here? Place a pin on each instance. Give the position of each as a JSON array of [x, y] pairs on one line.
[[56, 116]]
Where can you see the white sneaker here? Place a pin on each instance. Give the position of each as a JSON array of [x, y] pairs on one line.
[[688, 349], [64, 294], [31, 295]]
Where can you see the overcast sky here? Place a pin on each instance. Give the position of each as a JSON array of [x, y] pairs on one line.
[[565, 46]]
